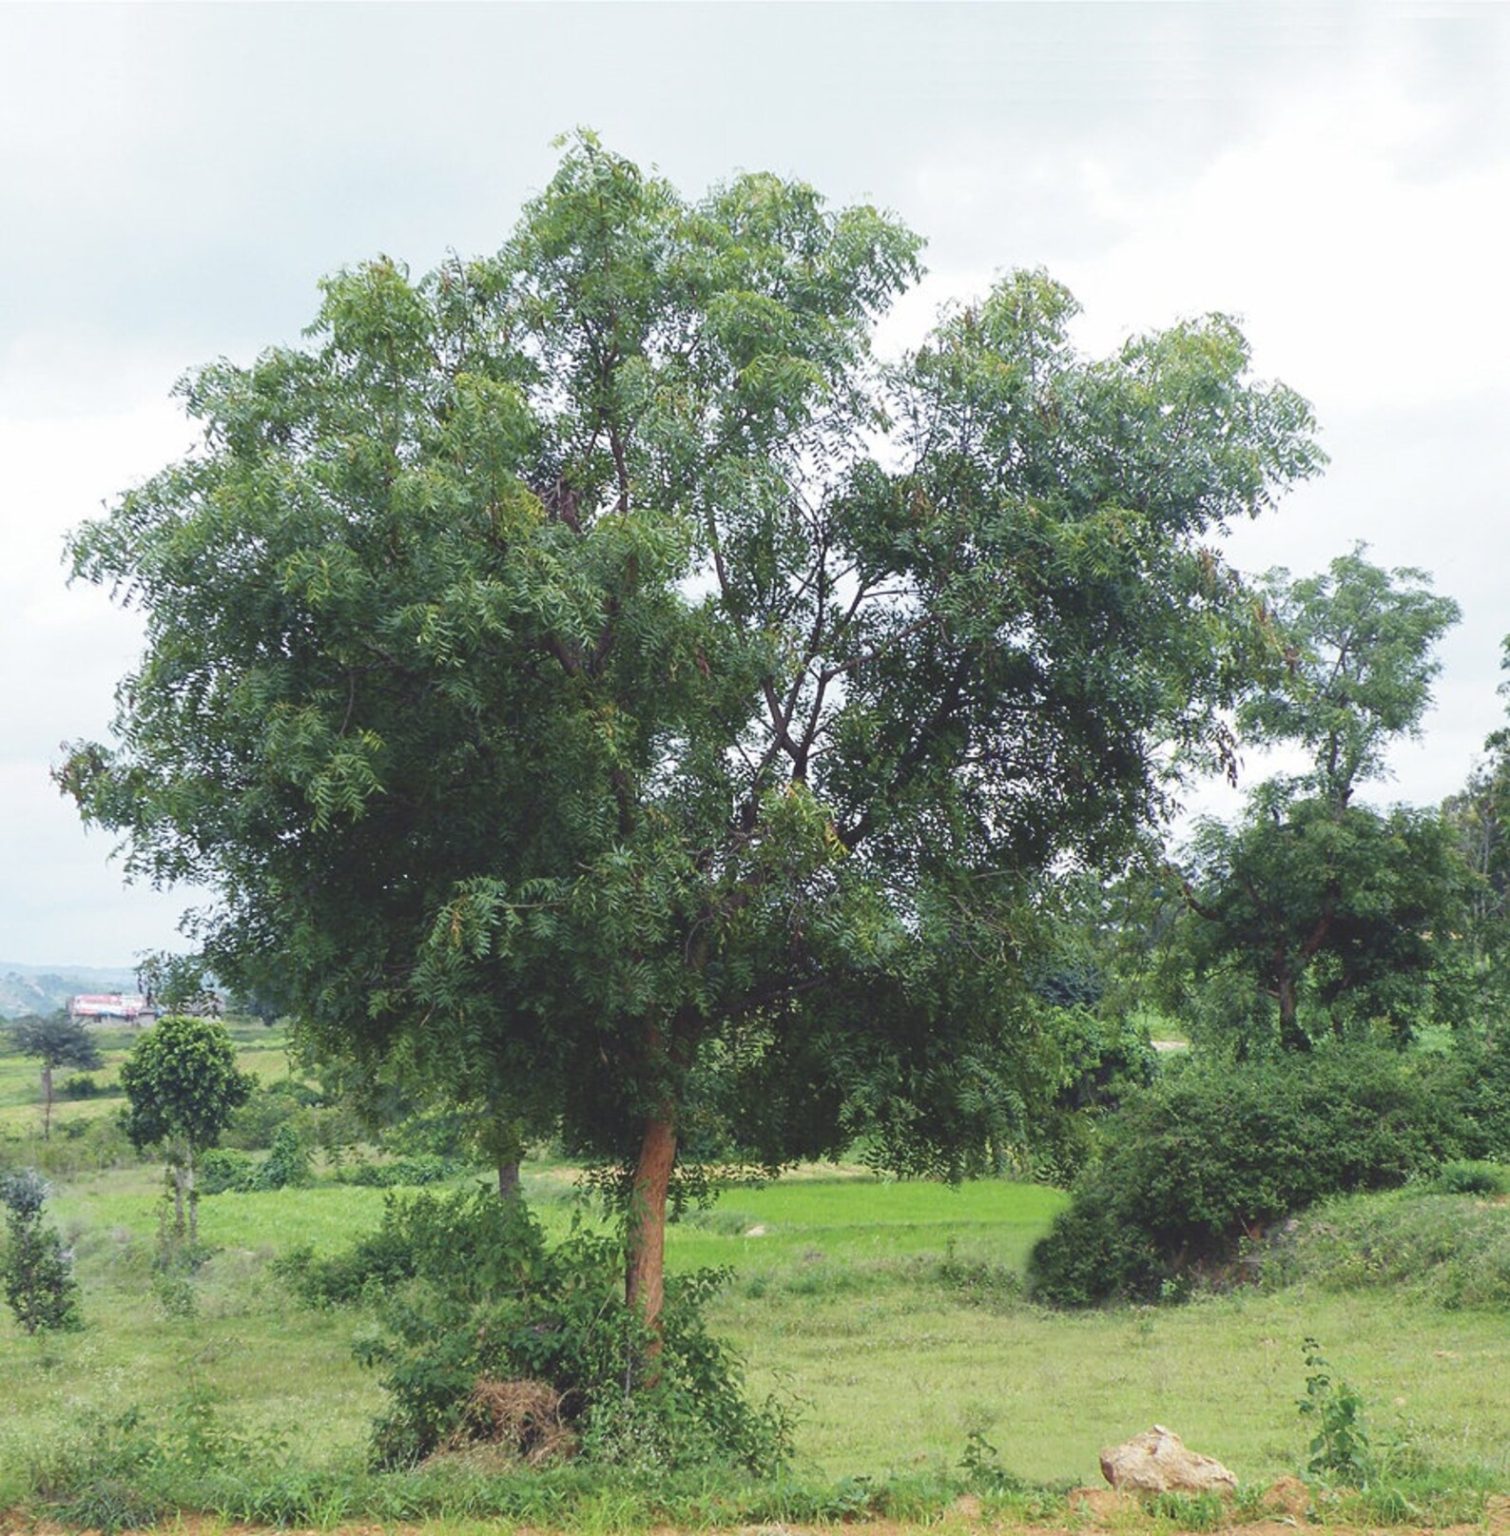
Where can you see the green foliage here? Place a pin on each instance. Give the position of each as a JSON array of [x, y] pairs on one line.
[[1215, 1153], [182, 1086], [221, 1169], [1189, 1511], [1339, 1446], [1474, 1178], [287, 1163], [585, 673], [982, 1470], [126, 1471], [1314, 914], [402, 1172], [318, 1118], [1359, 645], [474, 1292], [40, 1287], [82, 1146], [182, 1083], [57, 1040], [81, 1086], [1308, 919]]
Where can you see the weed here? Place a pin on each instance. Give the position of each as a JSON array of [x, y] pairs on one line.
[[982, 1468], [1334, 1409], [1189, 1511]]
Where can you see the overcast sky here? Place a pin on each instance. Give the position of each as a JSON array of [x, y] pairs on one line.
[[174, 179]]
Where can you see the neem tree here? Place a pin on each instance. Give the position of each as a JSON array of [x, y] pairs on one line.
[[586, 671]]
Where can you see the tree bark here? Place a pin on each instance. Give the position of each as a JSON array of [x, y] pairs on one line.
[[645, 1281], [47, 1101], [193, 1201], [1291, 1036], [508, 1181]]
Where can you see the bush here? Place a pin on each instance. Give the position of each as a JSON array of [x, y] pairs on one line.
[[286, 1165], [271, 1106], [81, 1146], [475, 1295], [220, 1170], [1470, 1178], [80, 1086], [403, 1172], [1339, 1444], [1213, 1154]]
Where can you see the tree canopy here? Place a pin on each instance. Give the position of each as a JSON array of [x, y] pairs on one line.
[[183, 1084], [1311, 901], [588, 671]]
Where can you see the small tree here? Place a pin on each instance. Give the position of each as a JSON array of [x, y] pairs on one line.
[[40, 1287], [60, 1042], [183, 1084]]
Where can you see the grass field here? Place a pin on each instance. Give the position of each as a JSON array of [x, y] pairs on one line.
[[887, 1310]]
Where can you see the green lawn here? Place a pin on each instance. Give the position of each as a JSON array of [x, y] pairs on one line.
[[837, 1299]]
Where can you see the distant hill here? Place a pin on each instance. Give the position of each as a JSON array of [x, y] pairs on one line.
[[42, 988]]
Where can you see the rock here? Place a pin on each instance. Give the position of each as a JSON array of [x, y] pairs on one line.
[[1157, 1462]]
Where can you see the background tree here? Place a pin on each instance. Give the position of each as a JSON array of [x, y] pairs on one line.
[[588, 666], [182, 1085], [1480, 818], [1311, 895], [58, 1041]]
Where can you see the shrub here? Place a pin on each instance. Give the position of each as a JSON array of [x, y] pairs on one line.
[[1471, 1178], [1213, 1154], [270, 1107], [286, 1164], [40, 1287], [221, 1169], [421, 1169], [476, 1295], [1339, 1445], [82, 1146], [81, 1086]]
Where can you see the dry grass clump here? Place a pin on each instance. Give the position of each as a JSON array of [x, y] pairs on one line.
[[514, 1421]]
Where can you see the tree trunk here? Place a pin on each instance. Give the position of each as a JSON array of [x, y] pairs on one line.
[[508, 1181], [178, 1200], [193, 1201], [47, 1101], [645, 1281], [1291, 1036]]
